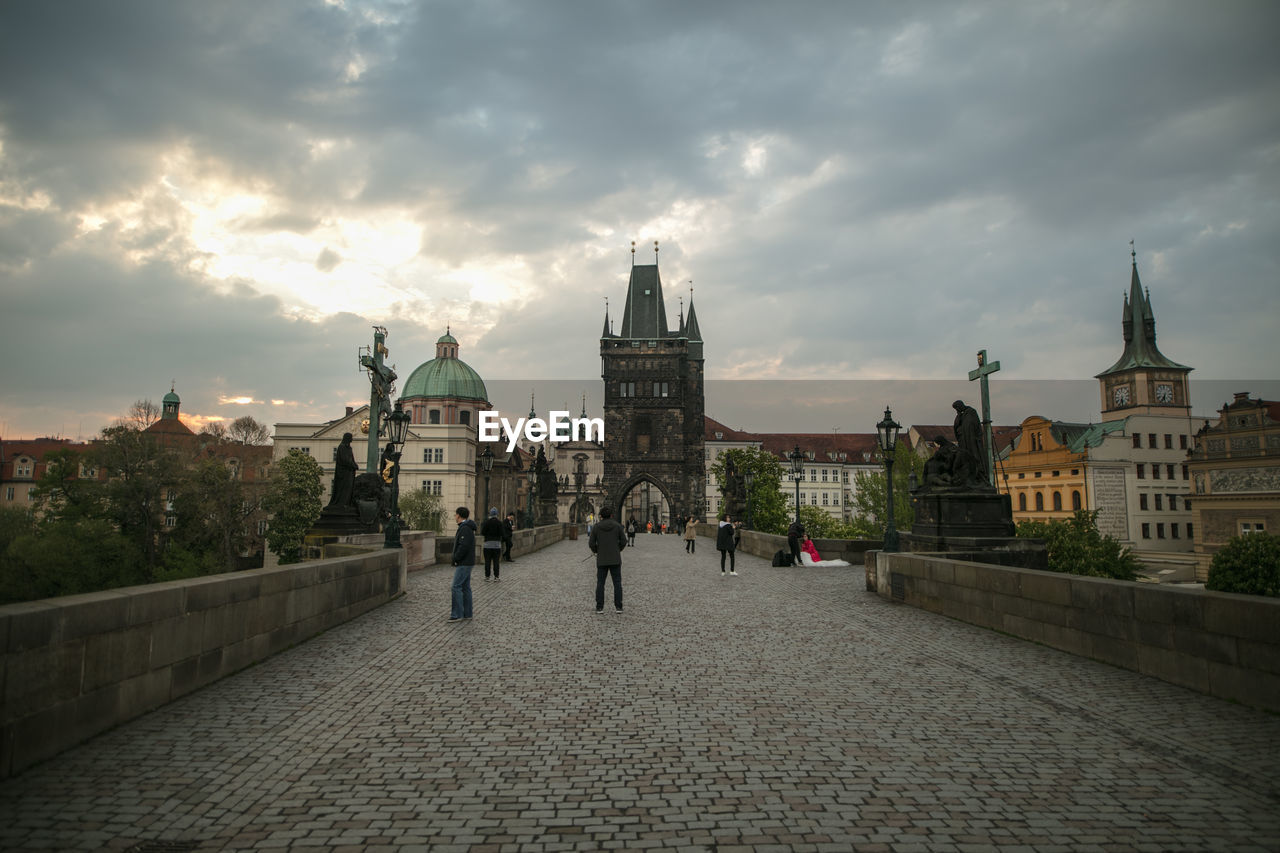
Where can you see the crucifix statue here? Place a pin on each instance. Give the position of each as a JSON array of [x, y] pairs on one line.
[[382, 381], [981, 374]]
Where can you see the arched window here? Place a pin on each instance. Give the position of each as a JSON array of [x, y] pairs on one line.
[[1039, 502], [464, 418], [1075, 500], [1057, 501], [1022, 501], [435, 416]]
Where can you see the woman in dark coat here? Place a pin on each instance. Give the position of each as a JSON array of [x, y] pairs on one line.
[[727, 543]]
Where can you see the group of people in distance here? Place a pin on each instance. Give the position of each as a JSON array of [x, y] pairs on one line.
[[606, 539]]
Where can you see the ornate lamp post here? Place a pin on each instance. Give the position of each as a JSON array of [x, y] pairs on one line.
[[397, 432], [797, 474], [887, 436], [486, 463], [580, 480], [747, 479]]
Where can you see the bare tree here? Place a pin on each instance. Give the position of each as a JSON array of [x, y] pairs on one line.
[[215, 430], [142, 414], [246, 430]]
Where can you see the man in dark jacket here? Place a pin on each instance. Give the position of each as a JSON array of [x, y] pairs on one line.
[[491, 532], [508, 536], [727, 543], [606, 541], [794, 534], [464, 557]]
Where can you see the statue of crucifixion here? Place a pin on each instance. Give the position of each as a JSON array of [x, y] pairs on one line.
[[981, 374], [382, 380]]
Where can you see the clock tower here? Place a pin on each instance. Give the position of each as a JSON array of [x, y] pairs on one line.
[[1143, 381]]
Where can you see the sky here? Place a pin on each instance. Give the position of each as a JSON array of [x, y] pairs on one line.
[[227, 196]]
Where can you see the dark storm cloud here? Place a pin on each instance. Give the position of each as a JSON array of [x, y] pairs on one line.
[[847, 184]]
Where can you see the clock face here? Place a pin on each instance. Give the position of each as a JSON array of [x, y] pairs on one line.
[[1164, 393], [1121, 395]]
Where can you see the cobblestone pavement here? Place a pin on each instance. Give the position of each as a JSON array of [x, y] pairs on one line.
[[780, 709]]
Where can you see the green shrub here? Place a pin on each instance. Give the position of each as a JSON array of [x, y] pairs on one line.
[[1248, 564], [1076, 547]]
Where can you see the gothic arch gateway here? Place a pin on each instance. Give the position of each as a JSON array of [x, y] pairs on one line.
[[653, 401]]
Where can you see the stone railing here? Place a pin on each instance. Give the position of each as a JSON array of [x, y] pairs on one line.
[[522, 542], [1218, 643], [767, 544], [75, 666]]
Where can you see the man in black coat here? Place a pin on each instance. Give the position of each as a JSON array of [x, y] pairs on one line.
[[508, 536], [464, 557], [606, 541], [794, 534]]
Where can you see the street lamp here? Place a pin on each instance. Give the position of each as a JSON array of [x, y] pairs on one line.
[[580, 480], [747, 479], [397, 432], [797, 474], [486, 463], [887, 436]]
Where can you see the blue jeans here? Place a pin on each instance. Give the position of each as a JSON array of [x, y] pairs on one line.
[[461, 590], [616, 573]]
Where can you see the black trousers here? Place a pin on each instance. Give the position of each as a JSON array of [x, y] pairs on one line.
[[794, 542], [494, 556], [730, 553], [506, 553], [689, 545], [616, 572]]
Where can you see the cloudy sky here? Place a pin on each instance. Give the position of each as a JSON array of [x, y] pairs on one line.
[[229, 195]]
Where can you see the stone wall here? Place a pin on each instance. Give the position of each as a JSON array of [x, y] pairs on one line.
[[522, 542], [766, 545], [1218, 643], [74, 666]]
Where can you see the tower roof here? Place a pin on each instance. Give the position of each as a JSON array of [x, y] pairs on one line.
[[1139, 324], [445, 376], [644, 315], [691, 330]]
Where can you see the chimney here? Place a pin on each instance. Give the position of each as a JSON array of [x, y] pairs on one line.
[[349, 411]]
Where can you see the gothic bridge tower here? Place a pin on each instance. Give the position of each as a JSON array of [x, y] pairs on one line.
[[653, 402]]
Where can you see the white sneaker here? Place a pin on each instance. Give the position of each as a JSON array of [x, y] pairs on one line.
[[735, 574]]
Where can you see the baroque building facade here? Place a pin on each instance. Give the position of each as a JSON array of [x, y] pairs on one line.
[[1235, 473]]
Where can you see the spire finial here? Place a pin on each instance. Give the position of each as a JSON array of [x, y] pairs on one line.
[[584, 404], [633, 253], [1133, 253], [532, 411], [655, 251]]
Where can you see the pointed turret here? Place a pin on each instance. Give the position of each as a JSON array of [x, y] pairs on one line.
[[644, 315], [1138, 324], [691, 330]]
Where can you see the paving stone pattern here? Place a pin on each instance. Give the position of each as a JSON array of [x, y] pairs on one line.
[[783, 709]]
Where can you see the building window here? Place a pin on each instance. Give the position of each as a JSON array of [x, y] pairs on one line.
[[1142, 501], [1252, 526], [1173, 530], [1168, 442], [433, 454], [1039, 474], [31, 494], [1151, 439], [1142, 471], [1057, 501], [1075, 472], [433, 416], [644, 429], [1137, 439], [1021, 476], [433, 487], [1039, 502], [262, 527], [1182, 442], [824, 475], [1022, 502], [1159, 506], [1146, 531], [835, 500], [1186, 473], [464, 418], [626, 389], [23, 468], [1190, 531], [813, 499], [1169, 472], [1057, 473], [1160, 530], [824, 499], [8, 493], [813, 475], [1075, 500], [664, 389]]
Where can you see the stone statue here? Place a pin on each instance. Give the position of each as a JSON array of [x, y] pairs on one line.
[[388, 473], [545, 476], [344, 474], [949, 466], [735, 490], [968, 429]]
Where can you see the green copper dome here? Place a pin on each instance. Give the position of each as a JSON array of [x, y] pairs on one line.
[[446, 338], [171, 397], [445, 377]]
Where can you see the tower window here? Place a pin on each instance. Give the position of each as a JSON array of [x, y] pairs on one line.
[[644, 431], [434, 416], [464, 418]]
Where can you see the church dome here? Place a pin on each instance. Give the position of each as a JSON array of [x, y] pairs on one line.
[[446, 376], [171, 397]]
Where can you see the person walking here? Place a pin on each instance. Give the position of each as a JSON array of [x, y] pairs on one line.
[[491, 532], [794, 533], [727, 543], [508, 536], [606, 541], [631, 532], [464, 557], [690, 535]]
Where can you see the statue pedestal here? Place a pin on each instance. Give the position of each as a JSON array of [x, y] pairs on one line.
[[341, 521], [970, 525], [547, 511]]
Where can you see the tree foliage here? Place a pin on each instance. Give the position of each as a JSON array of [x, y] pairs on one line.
[[212, 509], [769, 510], [421, 511], [870, 496], [1248, 564], [1077, 547], [293, 499]]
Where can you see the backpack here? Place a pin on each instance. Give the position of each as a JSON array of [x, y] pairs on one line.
[[782, 558]]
